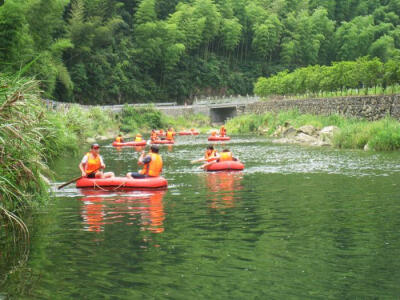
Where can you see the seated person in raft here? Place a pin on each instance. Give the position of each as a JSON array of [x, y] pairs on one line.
[[119, 138], [225, 155], [153, 135], [210, 155], [152, 164], [91, 164], [222, 131], [170, 135], [138, 137]]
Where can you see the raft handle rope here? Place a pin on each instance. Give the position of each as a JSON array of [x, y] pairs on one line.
[[95, 185]]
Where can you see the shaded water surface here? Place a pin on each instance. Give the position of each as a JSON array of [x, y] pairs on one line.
[[297, 223]]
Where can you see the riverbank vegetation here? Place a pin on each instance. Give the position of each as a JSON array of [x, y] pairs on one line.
[[117, 51], [31, 135], [342, 78], [144, 119], [381, 135]]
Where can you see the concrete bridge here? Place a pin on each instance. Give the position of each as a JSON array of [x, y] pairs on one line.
[[218, 109]]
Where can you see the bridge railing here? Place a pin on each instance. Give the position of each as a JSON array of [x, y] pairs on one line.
[[238, 99], [206, 101], [55, 105]]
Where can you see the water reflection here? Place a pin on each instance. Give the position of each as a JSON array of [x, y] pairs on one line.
[[144, 208], [222, 187], [139, 148]]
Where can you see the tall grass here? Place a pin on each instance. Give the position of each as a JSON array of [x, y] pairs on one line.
[[24, 135], [381, 135], [30, 135]]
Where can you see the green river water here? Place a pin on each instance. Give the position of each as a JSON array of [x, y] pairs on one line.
[[297, 223]]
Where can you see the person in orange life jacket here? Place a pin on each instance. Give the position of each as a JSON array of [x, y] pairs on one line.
[[222, 131], [153, 135], [225, 155], [210, 155], [138, 137], [93, 161], [213, 133], [152, 164], [119, 139], [170, 135]]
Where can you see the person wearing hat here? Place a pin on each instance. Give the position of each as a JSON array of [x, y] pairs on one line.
[[152, 164], [91, 164], [138, 137]]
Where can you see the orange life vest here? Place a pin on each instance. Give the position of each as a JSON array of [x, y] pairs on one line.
[[119, 140], [210, 155], [170, 135], [222, 131], [213, 133], [225, 156], [153, 136], [154, 167], [93, 163]]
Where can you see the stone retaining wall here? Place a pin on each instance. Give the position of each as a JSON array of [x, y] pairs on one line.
[[368, 107]]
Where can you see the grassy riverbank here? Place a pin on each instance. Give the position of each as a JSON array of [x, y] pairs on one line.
[[382, 135], [143, 119], [31, 135]]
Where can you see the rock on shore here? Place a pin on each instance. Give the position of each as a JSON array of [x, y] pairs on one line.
[[305, 135]]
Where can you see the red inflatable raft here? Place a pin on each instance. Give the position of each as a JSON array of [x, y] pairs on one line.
[[226, 166], [132, 144], [122, 183], [219, 138], [162, 142], [189, 133]]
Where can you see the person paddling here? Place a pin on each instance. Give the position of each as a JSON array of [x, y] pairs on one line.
[[210, 155], [225, 155], [119, 138], [152, 164], [93, 161]]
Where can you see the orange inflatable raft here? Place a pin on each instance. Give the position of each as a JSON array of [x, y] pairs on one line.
[[225, 166], [132, 144], [189, 133], [162, 142], [219, 138], [122, 183]]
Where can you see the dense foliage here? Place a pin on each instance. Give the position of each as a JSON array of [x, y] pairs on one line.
[[30, 135], [117, 51], [352, 76]]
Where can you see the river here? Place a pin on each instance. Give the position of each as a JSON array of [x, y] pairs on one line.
[[297, 223]]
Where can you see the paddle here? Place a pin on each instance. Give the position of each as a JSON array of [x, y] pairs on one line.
[[75, 179], [198, 160]]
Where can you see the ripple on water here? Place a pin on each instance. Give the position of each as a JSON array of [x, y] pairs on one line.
[[298, 222]]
